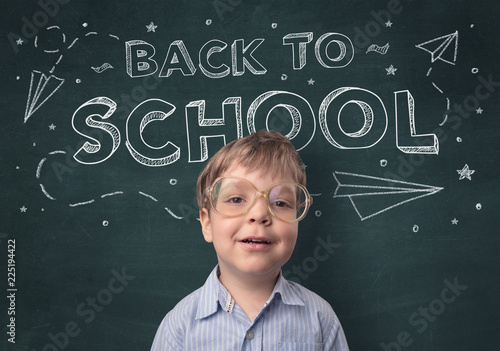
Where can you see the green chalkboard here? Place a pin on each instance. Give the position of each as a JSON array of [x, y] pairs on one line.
[[110, 109]]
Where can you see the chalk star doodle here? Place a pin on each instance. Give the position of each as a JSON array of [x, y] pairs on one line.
[[391, 70], [454, 221], [442, 43], [23, 209], [52, 127], [151, 27], [391, 193], [19, 41], [311, 81], [388, 24], [479, 111], [465, 172]]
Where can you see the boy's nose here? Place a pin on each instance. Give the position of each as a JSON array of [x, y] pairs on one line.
[[260, 212]]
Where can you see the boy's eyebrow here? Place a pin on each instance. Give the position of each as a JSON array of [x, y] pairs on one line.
[[283, 188], [226, 185]]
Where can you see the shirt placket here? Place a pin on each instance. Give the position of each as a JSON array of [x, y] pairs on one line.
[[253, 336]]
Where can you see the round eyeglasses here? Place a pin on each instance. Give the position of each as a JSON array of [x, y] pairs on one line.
[[232, 197]]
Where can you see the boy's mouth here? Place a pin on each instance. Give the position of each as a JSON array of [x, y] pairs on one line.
[[255, 241]]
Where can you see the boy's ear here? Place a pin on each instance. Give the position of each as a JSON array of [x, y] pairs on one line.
[[206, 225]]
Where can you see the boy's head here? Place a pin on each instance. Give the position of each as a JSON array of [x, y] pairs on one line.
[[253, 236], [269, 152]]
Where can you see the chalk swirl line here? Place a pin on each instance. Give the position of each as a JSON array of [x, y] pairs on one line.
[[172, 214], [91, 201]]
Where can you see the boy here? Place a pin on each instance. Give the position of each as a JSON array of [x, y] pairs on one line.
[[251, 196]]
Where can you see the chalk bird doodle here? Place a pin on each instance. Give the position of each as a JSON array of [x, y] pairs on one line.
[[102, 68], [378, 49], [443, 49], [391, 193]]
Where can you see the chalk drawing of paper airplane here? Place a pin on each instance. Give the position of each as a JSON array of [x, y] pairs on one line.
[[371, 196], [45, 88], [443, 48]]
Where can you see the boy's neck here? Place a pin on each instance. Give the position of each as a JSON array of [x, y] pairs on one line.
[[249, 292]]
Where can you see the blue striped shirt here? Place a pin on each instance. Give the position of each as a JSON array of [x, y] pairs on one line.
[[294, 318]]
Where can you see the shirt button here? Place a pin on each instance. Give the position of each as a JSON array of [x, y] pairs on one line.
[[249, 335]]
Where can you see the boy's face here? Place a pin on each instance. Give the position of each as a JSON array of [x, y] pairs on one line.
[[230, 235]]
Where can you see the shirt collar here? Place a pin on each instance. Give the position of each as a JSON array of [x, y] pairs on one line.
[[209, 296], [214, 295], [287, 291]]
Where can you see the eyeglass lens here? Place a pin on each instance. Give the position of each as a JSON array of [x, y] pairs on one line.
[[233, 196]]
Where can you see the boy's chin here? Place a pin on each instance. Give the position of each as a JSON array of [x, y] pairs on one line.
[[256, 271]]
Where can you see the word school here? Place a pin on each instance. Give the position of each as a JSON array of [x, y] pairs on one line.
[[104, 138]]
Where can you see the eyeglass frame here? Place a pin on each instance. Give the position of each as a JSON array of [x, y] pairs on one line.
[[265, 194]]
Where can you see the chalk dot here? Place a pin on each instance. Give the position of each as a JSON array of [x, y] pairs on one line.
[[479, 206], [78, 81], [475, 70], [459, 140], [173, 181], [17, 78], [85, 25], [105, 223], [383, 163], [317, 213], [274, 25], [208, 22], [17, 167], [415, 228], [472, 25], [284, 77]]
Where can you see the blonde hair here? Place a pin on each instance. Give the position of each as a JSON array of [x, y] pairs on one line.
[[267, 151]]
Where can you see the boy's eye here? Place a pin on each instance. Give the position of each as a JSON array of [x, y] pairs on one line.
[[282, 204], [236, 200]]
